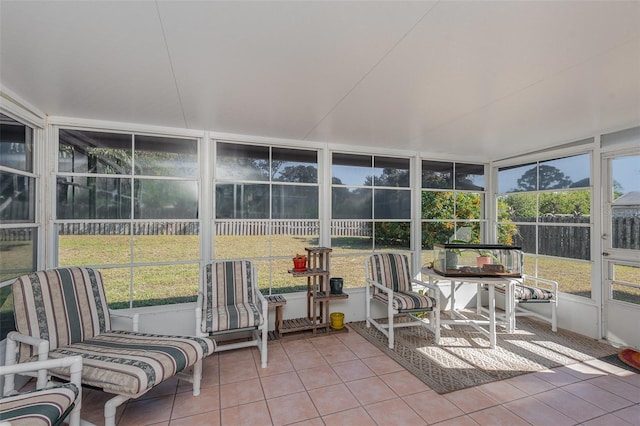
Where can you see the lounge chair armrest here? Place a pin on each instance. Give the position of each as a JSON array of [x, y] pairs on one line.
[[552, 284], [135, 318], [199, 308], [433, 287], [380, 286], [12, 349]]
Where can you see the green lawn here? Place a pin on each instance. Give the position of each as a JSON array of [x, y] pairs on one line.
[[175, 283]]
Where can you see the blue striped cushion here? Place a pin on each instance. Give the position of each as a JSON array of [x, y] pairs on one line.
[[407, 301], [228, 297], [391, 270], [39, 407], [63, 306], [130, 363], [523, 292]]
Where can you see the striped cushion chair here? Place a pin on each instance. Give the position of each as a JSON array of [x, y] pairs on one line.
[[389, 283], [229, 302], [49, 405], [63, 312]]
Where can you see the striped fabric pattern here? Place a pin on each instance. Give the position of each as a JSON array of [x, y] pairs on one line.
[[407, 301], [524, 293], [67, 306], [228, 295], [63, 306], [130, 363], [392, 271], [39, 407]]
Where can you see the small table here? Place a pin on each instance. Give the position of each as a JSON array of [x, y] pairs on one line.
[[277, 301], [458, 317]]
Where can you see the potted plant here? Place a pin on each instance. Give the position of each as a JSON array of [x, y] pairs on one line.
[[300, 262]]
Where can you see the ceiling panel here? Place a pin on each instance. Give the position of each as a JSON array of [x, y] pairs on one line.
[[277, 69], [439, 77]]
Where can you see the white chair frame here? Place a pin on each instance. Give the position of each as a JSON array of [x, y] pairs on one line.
[[433, 324]]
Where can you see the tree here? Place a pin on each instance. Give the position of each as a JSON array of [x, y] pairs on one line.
[[550, 178]]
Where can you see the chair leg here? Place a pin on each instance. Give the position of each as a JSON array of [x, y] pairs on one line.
[[554, 316], [110, 409], [390, 324], [436, 324], [263, 350], [197, 377]]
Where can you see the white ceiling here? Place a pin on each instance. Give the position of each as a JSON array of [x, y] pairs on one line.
[[489, 79]]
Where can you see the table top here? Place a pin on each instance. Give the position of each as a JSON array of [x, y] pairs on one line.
[[467, 279]]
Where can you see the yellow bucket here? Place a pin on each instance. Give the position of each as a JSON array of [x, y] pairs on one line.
[[337, 320]]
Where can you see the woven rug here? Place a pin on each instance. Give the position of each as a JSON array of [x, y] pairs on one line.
[[464, 358]]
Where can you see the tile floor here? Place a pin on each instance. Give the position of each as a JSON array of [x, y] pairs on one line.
[[342, 379]]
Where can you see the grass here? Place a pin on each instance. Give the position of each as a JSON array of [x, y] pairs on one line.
[[160, 284]]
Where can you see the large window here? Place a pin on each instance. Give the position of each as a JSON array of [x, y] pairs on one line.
[[452, 204], [545, 207], [18, 226], [370, 211], [128, 205], [266, 208]]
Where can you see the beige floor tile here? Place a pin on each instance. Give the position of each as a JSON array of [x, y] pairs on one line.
[[618, 387], [332, 399], [352, 370], [576, 408], [497, 416], [530, 384], [608, 420], [394, 411], [318, 377], [281, 384], [276, 364], [238, 393], [537, 413], [292, 408], [432, 407], [404, 383], [501, 391], [382, 364], [188, 405], [226, 358], [237, 372], [556, 376], [296, 346], [629, 414], [470, 399], [370, 390], [459, 421], [598, 396], [304, 360], [363, 349], [147, 411], [253, 414], [356, 416], [583, 371], [211, 418]]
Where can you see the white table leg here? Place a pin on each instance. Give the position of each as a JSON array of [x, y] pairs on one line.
[[492, 316]]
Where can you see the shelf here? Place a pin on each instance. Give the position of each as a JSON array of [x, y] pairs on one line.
[[322, 297], [309, 272]]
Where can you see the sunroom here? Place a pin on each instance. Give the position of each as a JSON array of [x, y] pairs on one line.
[[146, 139]]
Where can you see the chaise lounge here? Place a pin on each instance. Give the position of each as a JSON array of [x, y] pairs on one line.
[[63, 312]]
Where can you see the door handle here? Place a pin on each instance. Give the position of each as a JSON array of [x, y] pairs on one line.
[[605, 254]]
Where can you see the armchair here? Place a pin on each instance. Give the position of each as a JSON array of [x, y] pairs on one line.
[[389, 282], [229, 302]]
